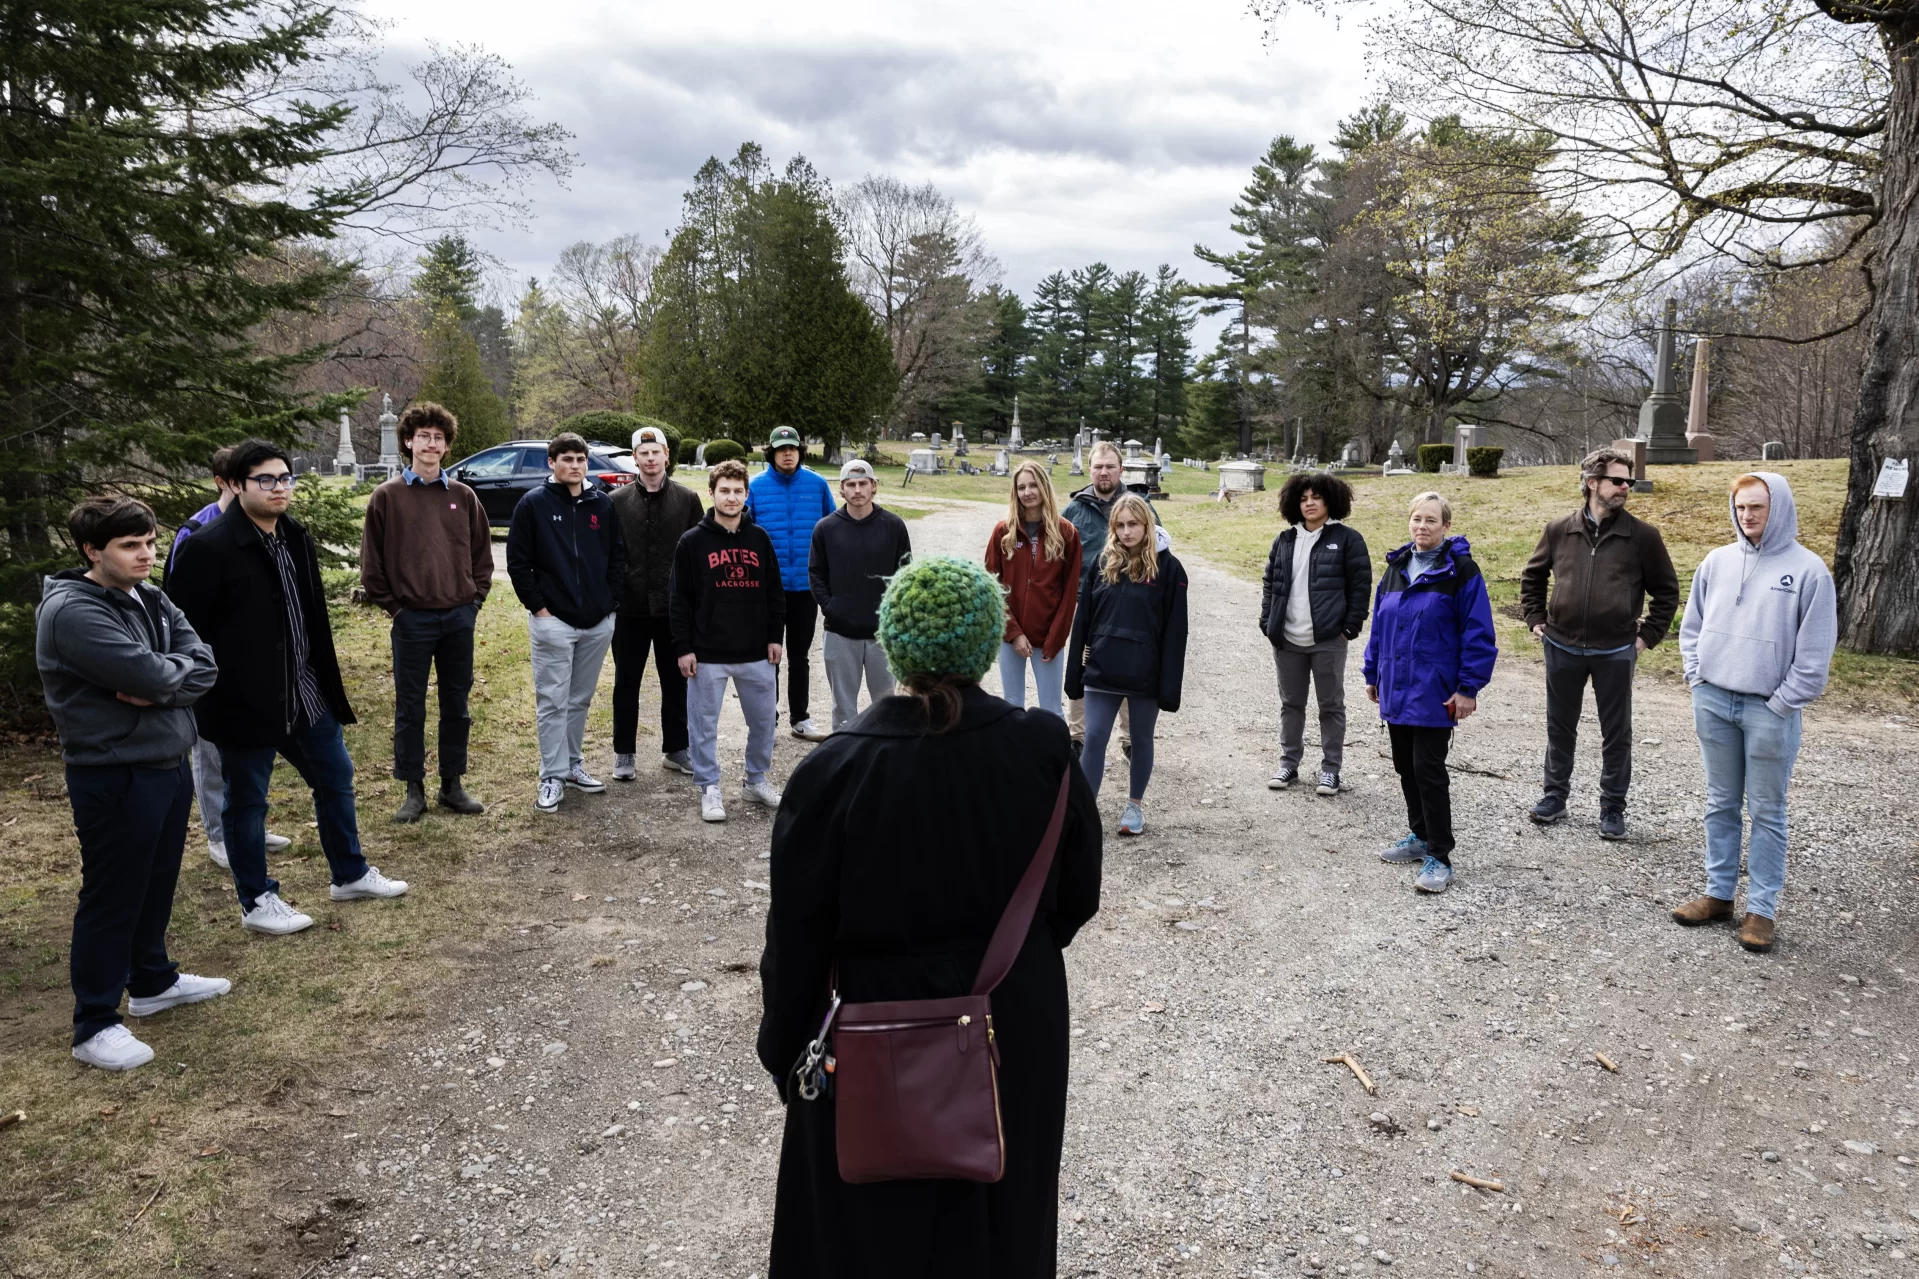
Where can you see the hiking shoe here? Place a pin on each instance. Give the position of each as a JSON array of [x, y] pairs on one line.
[[415, 806], [712, 809], [114, 1048], [677, 762], [371, 884], [1549, 811], [1756, 933], [453, 795], [623, 770], [1612, 823], [1702, 910], [186, 989], [761, 792], [1409, 849], [807, 730], [1434, 876], [217, 854], [1285, 775], [272, 916], [277, 842], [552, 791], [580, 779], [1328, 782], [1132, 820]]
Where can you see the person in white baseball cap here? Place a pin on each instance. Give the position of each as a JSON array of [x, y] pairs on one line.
[[853, 553]]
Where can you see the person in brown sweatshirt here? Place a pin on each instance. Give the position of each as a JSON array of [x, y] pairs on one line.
[[426, 557]]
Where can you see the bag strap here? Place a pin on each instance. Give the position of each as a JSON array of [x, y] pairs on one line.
[[1018, 918]]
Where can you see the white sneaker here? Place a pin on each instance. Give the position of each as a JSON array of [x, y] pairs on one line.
[[623, 770], [580, 779], [186, 989], [217, 854], [807, 730], [276, 842], [114, 1048], [552, 791], [271, 915], [371, 884], [761, 792], [711, 808]]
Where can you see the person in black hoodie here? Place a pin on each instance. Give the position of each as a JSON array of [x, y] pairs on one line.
[[729, 616], [567, 559], [1128, 645], [855, 550]]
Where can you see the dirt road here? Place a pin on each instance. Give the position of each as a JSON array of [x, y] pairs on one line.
[[590, 1103]]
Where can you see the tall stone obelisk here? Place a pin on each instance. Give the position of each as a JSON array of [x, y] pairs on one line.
[[1662, 418], [1698, 431]]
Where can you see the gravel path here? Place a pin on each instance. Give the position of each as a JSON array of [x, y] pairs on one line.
[[590, 1103]]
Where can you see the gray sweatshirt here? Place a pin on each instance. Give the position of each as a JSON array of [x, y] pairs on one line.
[[93, 642], [1762, 619]]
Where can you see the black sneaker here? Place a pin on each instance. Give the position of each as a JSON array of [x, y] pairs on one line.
[[1328, 782], [1549, 811], [1612, 823]]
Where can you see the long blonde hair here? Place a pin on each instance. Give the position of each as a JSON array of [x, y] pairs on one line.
[[1051, 539], [1140, 563]]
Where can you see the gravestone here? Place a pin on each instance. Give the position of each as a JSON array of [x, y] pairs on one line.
[[1349, 456], [999, 463], [959, 440], [389, 436], [923, 461], [1698, 434], [344, 461], [1396, 461], [1079, 455], [1242, 477], [936, 441], [1772, 451], [1464, 438], [1013, 436], [1638, 450], [1662, 418]]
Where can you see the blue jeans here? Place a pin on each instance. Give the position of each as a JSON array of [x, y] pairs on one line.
[[1748, 752], [318, 753], [1101, 710], [1048, 678]]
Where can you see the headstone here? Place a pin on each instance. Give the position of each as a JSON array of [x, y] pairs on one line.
[[1638, 450], [699, 455], [344, 461], [923, 461], [1242, 477], [936, 441], [1349, 456], [1396, 460], [1662, 418], [1698, 434], [1772, 451], [999, 463], [389, 436], [1464, 437], [959, 440], [1079, 454], [1132, 449], [917, 435], [1014, 436], [1139, 470]]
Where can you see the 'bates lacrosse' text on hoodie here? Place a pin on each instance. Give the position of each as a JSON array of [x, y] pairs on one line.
[[725, 599]]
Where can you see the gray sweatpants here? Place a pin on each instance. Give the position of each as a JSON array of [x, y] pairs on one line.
[[566, 670], [210, 789], [757, 683], [846, 660], [1326, 665]]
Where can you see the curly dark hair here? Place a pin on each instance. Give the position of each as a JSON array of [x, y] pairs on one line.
[[1336, 493], [426, 413]]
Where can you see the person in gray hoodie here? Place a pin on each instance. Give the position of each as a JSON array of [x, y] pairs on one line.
[[120, 666], [1757, 644]]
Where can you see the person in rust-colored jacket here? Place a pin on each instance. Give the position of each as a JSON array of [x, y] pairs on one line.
[[1035, 553]]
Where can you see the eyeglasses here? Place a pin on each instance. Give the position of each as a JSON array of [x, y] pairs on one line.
[[273, 483], [1624, 482]]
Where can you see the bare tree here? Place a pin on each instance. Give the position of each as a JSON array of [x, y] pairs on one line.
[[578, 336]]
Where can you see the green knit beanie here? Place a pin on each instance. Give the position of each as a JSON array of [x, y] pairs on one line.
[[942, 616]]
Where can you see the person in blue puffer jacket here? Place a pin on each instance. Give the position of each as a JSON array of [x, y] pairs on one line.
[[787, 500], [1431, 650]]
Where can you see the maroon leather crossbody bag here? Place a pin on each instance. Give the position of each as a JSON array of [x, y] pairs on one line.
[[916, 1081]]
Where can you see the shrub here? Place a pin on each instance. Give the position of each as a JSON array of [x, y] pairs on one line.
[[1483, 461], [1431, 456], [689, 449], [723, 451], [614, 427]]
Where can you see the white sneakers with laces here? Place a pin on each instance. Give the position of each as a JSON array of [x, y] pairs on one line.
[[371, 884], [273, 916], [186, 989], [623, 768], [217, 854], [761, 792], [114, 1048], [552, 791], [712, 808], [580, 779], [807, 730]]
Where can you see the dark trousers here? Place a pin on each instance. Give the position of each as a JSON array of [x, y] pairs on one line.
[[1611, 676], [632, 636], [440, 641], [318, 753], [1419, 757], [132, 824], [802, 619]]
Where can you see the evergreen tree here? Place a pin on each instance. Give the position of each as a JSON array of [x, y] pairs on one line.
[[1166, 325], [456, 379], [450, 275]]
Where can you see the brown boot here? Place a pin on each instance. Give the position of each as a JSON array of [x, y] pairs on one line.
[[1702, 910], [1756, 933]]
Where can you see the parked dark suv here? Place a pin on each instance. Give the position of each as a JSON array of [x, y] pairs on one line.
[[502, 475]]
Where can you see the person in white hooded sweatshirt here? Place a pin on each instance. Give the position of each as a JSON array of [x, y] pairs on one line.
[[1757, 644]]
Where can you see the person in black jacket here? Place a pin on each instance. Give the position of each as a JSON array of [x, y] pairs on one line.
[[567, 560], [1312, 604], [853, 553], [729, 616], [1129, 645], [249, 584]]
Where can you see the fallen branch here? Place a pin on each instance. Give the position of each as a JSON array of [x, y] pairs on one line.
[[17, 1117], [151, 1200], [1607, 1062], [1359, 1072], [1478, 1183], [1478, 772]]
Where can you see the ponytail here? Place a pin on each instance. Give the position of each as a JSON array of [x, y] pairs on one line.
[[939, 697]]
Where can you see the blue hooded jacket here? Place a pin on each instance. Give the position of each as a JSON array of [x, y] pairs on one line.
[[787, 507], [1430, 639]]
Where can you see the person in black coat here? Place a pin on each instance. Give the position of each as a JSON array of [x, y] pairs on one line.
[[1312, 603], [887, 867], [1129, 645]]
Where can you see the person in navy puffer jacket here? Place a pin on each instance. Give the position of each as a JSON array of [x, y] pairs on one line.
[[787, 500], [1430, 651]]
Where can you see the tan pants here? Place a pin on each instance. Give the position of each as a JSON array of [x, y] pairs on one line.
[[1076, 721]]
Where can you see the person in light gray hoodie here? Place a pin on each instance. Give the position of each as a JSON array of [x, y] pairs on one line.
[[1757, 644]]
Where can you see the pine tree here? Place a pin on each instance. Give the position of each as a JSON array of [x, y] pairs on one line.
[[456, 379]]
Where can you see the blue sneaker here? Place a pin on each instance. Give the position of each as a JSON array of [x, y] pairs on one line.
[[1133, 820], [1408, 850], [1434, 877]]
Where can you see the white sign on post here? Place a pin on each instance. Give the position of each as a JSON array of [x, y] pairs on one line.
[[1892, 478]]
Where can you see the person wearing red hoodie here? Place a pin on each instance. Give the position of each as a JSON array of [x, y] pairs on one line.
[[1035, 553]]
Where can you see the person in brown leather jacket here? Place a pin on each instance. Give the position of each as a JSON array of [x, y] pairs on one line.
[[1604, 567]]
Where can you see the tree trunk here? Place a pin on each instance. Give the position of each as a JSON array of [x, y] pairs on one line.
[[1877, 565]]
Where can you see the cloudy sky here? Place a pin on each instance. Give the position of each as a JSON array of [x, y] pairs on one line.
[[1073, 131]]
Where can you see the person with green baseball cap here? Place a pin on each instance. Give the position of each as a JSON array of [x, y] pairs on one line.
[[898, 846], [787, 500]]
